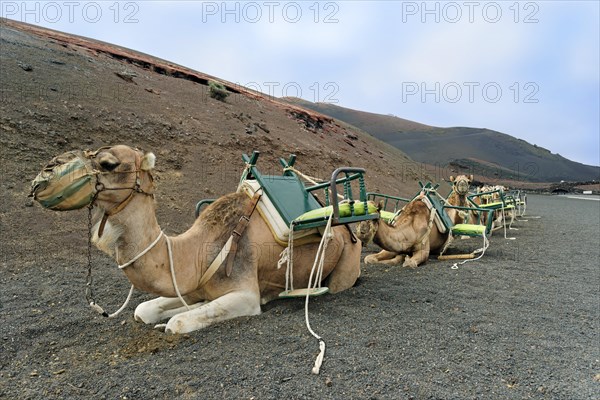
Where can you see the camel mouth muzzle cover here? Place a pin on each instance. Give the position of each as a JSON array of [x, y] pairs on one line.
[[67, 182]]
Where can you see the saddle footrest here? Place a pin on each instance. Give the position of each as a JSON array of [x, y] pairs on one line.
[[457, 257], [303, 292]]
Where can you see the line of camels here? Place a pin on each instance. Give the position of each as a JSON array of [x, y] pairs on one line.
[[118, 182]]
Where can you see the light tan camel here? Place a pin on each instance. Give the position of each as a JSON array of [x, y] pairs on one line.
[[458, 197], [494, 197], [413, 234], [255, 279], [408, 241]]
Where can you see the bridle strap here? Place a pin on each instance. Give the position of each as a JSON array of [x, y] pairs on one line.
[[114, 211], [119, 207]]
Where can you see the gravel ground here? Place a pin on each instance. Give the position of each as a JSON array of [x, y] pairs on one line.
[[520, 323]]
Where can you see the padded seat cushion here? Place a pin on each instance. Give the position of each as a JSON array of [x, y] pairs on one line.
[[344, 208], [387, 216], [497, 204], [468, 229]]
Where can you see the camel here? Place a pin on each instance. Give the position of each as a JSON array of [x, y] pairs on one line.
[[458, 197], [494, 197], [124, 223], [413, 235], [460, 190]]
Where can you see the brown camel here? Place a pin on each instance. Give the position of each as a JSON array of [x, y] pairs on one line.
[[494, 196], [124, 223], [414, 234], [458, 197]]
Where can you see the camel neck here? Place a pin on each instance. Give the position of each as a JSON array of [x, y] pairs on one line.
[[458, 200], [385, 237], [129, 231], [135, 229], [139, 228]]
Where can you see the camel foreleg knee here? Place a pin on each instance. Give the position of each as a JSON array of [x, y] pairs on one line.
[[418, 257], [231, 305], [161, 308], [383, 257], [388, 259]]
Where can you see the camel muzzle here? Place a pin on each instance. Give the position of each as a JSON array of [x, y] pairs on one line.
[[462, 187], [66, 183]]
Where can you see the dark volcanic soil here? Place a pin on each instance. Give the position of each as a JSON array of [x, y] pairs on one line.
[[520, 323]]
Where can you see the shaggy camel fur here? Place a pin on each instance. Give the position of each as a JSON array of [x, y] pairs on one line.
[[413, 235], [255, 278]]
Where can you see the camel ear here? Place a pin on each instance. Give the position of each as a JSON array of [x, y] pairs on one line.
[[471, 177], [148, 162], [451, 179], [380, 205]]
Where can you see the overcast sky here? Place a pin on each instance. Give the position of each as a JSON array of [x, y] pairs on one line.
[[528, 69]]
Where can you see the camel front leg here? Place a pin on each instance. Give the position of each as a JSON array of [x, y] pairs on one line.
[[385, 257], [153, 311], [418, 257], [231, 305]]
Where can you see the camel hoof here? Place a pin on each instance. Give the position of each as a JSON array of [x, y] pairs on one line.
[[145, 314], [181, 324], [370, 259]]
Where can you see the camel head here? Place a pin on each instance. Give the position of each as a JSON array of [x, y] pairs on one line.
[[366, 230], [461, 183], [107, 177]]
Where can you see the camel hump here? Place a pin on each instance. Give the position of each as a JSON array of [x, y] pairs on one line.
[[225, 211]]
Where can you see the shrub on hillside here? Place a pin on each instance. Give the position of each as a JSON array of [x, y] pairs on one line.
[[217, 91]]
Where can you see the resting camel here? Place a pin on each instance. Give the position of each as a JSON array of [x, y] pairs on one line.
[[124, 224], [413, 235], [498, 220]]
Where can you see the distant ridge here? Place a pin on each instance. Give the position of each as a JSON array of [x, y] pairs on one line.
[[485, 152]]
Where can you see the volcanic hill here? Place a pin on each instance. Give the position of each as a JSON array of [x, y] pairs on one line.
[[62, 92], [487, 153]]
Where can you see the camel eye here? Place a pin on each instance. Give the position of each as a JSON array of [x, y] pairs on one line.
[[109, 165]]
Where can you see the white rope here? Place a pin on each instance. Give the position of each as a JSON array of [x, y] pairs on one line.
[[173, 274], [512, 218], [318, 266], [244, 175], [310, 179], [429, 225], [486, 244], [98, 308], [287, 257], [504, 223], [447, 243], [127, 264], [430, 190]]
